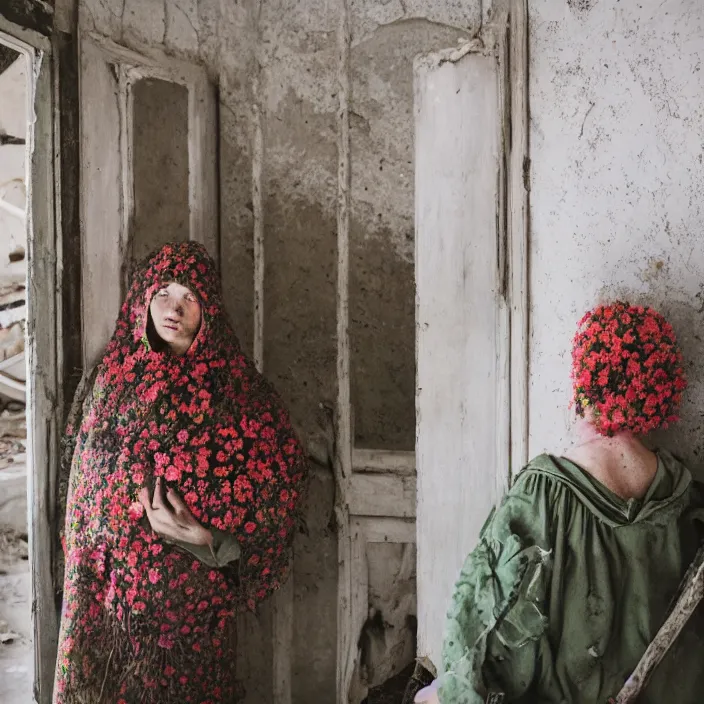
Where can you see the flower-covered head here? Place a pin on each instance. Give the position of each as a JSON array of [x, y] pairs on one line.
[[627, 369]]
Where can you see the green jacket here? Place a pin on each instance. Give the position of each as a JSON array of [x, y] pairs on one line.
[[567, 587]]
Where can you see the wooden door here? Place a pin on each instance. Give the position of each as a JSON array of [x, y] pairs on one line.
[[44, 283], [117, 189], [471, 273]]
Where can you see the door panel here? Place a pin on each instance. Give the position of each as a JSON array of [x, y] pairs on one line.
[[140, 189], [462, 330]]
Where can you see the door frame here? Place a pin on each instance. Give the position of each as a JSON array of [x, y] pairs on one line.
[[505, 39], [43, 345], [107, 73]]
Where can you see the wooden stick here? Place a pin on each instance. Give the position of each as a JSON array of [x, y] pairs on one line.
[[691, 593]]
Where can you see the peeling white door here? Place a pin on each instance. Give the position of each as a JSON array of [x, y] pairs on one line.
[[462, 331], [471, 109]]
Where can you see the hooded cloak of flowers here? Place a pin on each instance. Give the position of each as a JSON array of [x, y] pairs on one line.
[[143, 619]]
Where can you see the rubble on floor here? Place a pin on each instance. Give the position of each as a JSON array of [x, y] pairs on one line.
[[16, 653], [392, 691]]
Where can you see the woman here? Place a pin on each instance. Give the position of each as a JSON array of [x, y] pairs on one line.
[[183, 483], [575, 571]]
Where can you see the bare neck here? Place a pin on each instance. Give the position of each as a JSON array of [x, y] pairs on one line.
[[622, 464]]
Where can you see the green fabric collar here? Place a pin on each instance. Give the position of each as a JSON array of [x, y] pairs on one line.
[[671, 481]]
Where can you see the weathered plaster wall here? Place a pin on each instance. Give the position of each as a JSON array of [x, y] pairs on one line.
[[276, 63], [160, 165], [617, 185], [298, 103], [385, 39]]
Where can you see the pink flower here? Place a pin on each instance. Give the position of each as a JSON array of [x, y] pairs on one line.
[[621, 356], [173, 474], [161, 459]]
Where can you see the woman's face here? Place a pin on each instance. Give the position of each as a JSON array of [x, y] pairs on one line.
[[175, 312]]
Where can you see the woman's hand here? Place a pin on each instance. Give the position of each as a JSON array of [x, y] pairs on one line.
[[171, 518]]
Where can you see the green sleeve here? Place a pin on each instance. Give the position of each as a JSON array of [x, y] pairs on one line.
[[497, 618], [225, 549]]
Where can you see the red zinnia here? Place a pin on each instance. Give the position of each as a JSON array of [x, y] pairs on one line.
[[627, 367]]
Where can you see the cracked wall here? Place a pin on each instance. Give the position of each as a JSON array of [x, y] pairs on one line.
[[276, 63], [617, 186]]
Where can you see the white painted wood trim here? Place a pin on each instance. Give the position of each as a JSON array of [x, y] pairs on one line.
[[108, 72], [391, 461], [344, 411], [202, 130], [364, 531], [125, 102], [346, 641], [382, 495], [258, 216], [101, 199], [359, 610], [43, 340], [149, 62], [388, 530], [460, 325], [43, 375], [502, 471], [203, 164], [15, 36], [519, 233]]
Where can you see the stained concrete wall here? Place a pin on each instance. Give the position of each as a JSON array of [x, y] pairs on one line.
[[617, 186], [160, 165], [276, 63]]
